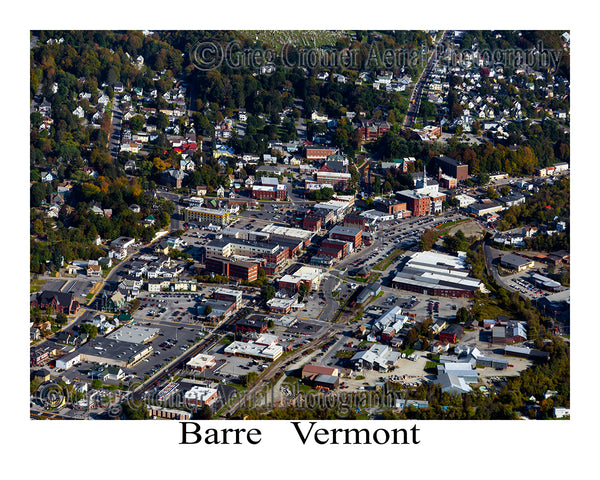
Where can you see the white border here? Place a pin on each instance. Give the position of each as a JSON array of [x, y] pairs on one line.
[[448, 449]]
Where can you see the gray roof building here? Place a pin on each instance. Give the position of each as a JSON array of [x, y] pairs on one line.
[[367, 292], [515, 262], [113, 352], [452, 384]]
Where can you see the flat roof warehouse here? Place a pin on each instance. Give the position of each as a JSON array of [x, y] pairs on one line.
[[438, 274]]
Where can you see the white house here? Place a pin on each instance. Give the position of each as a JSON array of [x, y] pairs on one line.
[[79, 112]]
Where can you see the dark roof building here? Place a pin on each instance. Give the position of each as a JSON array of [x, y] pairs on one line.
[[328, 382], [251, 325], [61, 302], [367, 292], [452, 333], [516, 262], [452, 167]]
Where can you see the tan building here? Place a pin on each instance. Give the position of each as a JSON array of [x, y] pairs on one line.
[[516, 262], [206, 215], [201, 362]]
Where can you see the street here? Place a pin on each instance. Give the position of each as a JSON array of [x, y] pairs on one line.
[[114, 141], [415, 98]]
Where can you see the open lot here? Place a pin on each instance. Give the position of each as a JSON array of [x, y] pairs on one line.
[[230, 366], [312, 308], [177, 307], [521, 282], [53, 285], [417, 304], [79, 288]]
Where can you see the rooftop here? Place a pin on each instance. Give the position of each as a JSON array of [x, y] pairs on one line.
[[338, 229], [134, 334]]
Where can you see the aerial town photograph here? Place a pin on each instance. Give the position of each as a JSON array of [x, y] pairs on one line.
[[299, 225]]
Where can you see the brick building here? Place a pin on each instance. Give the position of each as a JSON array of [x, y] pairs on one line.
[[269, 192], [371, 130], [312, 223], [348, 234], [339, 181], [452, 333], [452, 167], [319, 153], [390, 206], [355, 221], [228, 267], [418, 204], [255, 325], [228, 295], [61, 302]]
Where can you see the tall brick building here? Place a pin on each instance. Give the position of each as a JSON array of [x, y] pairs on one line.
[[347, 234], [452, 167]]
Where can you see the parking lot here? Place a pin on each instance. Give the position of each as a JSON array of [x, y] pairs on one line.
[[79, 288], [423, 306], [268, 213], [520, 282], [176, 307], [312, 307], [229, 367]]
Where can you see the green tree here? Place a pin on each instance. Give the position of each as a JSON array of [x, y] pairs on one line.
[[492, 193], [90, 329], [248, 379], [204, 413], [135, 412], [162, 121], [302, 291], [462, 315], [428, 239], [96, 384], [428, 110], [136, 123], [36, 119], [38, 227], [37, 194], [268, 292], [135, 304], [483, 179]]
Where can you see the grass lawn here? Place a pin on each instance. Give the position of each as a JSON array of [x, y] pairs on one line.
[[295, 385], [371, 278], [445, 227], [489, 308], [226, 340], [386, 262]]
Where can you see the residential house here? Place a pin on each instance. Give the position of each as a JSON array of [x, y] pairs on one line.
[[94, 269], [115, 301], [173, 177]]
